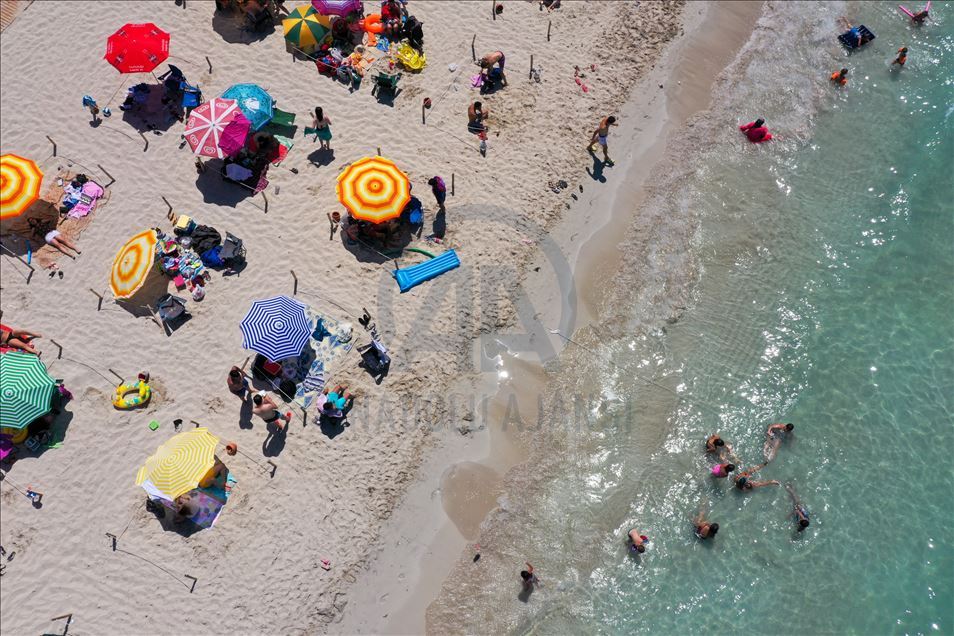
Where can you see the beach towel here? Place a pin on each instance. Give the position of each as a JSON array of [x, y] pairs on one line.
[[88, 196], [237, 172], [477, 80]]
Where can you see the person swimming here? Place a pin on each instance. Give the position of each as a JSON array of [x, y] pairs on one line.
[[714, 443], [773, 439], [721, 471], [799, 511], [756, 131], [702, 527], [637, 542], [902, 56], [840, 77]]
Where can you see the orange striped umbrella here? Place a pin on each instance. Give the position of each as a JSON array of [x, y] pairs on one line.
[[133, 264], [19, 183], [374, 189]]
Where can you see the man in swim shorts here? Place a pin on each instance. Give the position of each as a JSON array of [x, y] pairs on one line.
[[265, 408], [487, 64], [600, 136]]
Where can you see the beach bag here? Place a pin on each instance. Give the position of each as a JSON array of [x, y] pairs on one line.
[[233, 251], [212, 257]]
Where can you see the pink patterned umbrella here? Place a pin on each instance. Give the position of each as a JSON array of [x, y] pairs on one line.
[[217, 128], [337, 7]]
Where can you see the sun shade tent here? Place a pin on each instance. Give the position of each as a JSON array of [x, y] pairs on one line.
[[373, 189], [254, 101], [132, 264], [26, 389], [277, 328], [217, 128], [137, 48], [179, 464], [20, 181]]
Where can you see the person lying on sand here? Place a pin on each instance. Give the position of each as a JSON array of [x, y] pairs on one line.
[[18, 339], [57, 239]]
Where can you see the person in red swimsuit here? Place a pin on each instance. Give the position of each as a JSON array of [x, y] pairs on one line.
[[756, 131]]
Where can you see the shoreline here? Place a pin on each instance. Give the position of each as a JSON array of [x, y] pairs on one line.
[[442, 511]]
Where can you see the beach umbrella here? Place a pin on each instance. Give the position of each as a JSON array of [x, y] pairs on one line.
[[25, 389], [137, 48], [133, 264], [276, 327], [305, 29], [373, 189], [19, 184], [254, 101], [337, 7], [217, 128], [179, 464]]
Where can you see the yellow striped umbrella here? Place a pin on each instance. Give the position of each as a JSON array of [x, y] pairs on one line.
[[19, 184], [133, 264], [179, 464], [374, 189]]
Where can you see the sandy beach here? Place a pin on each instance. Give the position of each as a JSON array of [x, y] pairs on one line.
[[258, 570]]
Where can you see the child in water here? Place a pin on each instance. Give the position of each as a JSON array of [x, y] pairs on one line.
[[756, 131]]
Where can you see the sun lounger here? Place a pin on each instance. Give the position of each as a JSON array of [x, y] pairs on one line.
[[409, 277], [386, 82]]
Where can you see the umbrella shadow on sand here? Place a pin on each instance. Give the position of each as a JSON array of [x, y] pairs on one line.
[[368, 250], [146, 297], [151, 114], [233, 28], [216, 190]]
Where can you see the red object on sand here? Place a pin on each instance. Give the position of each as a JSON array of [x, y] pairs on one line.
[[137, 48]]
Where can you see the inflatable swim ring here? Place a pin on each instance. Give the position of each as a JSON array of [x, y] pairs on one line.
[[372, 23], [129, 396]]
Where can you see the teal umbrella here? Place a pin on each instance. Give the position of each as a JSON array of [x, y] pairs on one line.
[[25, 389], [254, 102]]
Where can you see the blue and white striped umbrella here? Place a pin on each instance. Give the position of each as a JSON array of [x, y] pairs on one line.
[[276, 327]]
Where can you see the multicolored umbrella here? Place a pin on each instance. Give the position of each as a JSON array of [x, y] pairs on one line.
[[337, 7], [374, 189], [19, 185], [276, 327], [305, 29], [25, 389], [256, 104], [133, 264], [137, 48], [217, 128], [178, 465]]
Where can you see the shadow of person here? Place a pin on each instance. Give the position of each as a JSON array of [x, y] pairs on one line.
[[245, 413], [322, 157], [525, 593], [274, 442], [597, 170], [332, 427]]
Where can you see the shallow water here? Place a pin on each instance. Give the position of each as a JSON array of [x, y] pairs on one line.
[[826, 299]]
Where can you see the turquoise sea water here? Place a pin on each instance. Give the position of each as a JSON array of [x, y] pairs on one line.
[[826, 299]]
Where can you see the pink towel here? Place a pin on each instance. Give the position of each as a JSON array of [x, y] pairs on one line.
[[92, 191]]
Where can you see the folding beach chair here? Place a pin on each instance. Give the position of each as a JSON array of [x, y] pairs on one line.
[[171, 308], [386, 82]]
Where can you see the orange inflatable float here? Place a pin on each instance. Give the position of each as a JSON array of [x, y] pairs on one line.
[[372, 23]]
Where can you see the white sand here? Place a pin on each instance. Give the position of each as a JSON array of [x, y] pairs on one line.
[[258, 569]]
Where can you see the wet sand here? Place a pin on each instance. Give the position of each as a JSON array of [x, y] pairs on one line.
[[464, 478]]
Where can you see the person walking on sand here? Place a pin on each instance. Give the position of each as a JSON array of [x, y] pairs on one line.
[[600, 136], [799, 511], [773, 438], [321, 125], [265, 408], [55, 238], [440, 192]]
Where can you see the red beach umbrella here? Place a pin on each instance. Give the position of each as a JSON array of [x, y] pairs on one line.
[[137, 48]]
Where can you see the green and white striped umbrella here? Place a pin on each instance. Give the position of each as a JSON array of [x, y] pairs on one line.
[[25, 389]]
